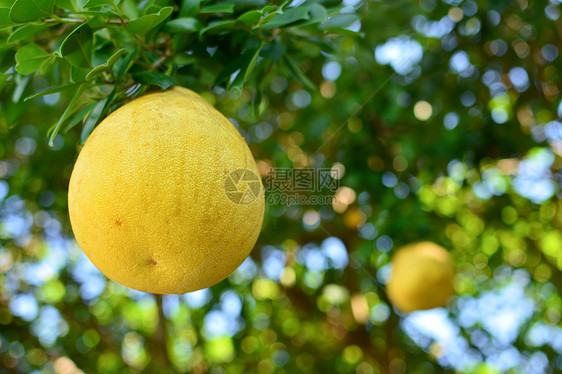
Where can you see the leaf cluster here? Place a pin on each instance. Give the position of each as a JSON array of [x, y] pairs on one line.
[[102, 53]]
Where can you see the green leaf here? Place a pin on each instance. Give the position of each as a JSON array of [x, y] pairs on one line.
[[21, 85], [13, 111], [335, 10], [48, 63], [274, 50], [51, 90], [151, 9], [241, 63], [99, 21], [155, 78], [268, 8], [96, 3], [125, 65], [108, 65], [30, 10], [250, 17], [189, 8], [183, 59], [342, 31], [216, 25], [130, 8], [56, 128], [340, 21], [78, 75], [66, 4], [317, 13], [266, 19], [218, 8], [30, 58], [6, 3], [298, 74], [288, 17], [183, 25], [97, 13], [5, 17], [77, 47], [25, 32], [94, 117], [114, 57], [79, 116], [146, 23], [250, 59]]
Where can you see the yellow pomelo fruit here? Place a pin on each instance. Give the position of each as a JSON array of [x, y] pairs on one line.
[[422, 277], [165, 195]]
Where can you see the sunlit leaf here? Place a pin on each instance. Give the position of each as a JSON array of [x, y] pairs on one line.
[[130, 8], [250, 17], [108, 65], [30, 10], [218, 25], [268, 8], [183, 25], [146, 23], [218, 8], [24, 32], [5, 18], [266, 19], [96, 3], [288, 17], [30, 58]]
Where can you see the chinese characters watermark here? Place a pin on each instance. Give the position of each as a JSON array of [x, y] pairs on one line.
[[307, 186]]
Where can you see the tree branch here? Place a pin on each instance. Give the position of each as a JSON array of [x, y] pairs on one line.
[[159, 338]]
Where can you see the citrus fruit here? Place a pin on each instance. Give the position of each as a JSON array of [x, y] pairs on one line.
[[165, 195], [422, 277]]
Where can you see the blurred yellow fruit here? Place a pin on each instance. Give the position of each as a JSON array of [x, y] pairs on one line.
[[165, 195], [422, 277]]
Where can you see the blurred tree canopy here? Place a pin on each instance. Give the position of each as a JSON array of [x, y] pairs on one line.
[[442, 118]]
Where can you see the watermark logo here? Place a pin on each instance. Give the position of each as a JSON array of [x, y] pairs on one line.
[[284, 186], [307, 186], [242, 186]]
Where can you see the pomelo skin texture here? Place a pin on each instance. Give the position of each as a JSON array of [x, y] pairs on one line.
[[147, 198], [422, 277]]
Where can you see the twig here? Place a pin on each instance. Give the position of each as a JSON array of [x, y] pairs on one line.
[[145, 45], [159, 62]]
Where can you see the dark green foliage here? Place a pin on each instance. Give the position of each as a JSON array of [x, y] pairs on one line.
[[44, 32]]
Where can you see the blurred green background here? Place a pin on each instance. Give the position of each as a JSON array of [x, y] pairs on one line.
[[442, 118]]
